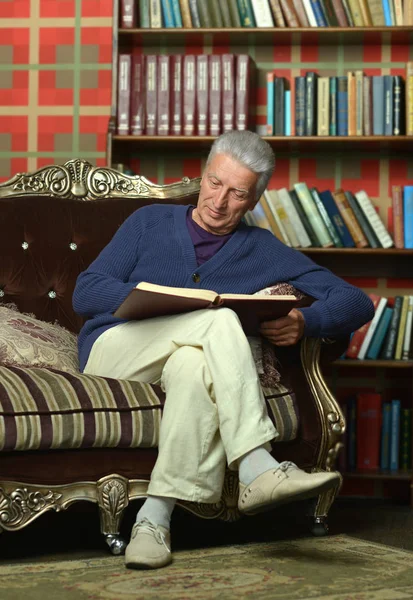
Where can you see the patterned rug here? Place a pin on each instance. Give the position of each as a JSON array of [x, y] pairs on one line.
[[330, 568]]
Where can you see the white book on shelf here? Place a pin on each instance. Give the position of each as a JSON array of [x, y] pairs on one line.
[[294, 217], [310, 13], [374, 219], [277, 219], [260, 217], [155, 14], [262, 13], [408, 330], [276, 206], [372, 328]]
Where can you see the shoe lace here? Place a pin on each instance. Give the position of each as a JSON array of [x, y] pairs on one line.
[[284, 466], [149, 527]]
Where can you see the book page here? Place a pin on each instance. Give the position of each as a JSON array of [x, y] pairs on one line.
[[209, 295]]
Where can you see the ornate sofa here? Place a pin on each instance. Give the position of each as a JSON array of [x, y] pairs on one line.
[[65, 436]]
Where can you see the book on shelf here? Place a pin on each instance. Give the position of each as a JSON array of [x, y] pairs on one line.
[[408, 216], [349, 218], [385, 437], [379, 335], [405, 439], [374, 219], [395, 435], [372, 328], [368, 417], [398, 351], [389, 346], [264, 13], [149, 300], [359, 335], [406, 350]]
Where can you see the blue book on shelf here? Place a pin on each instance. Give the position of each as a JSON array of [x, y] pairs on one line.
[[342, 106], [385, 436], [351, 432], [176, 10], [168, 17], [333, 105], [378, 104], [408, 215], [388, 86], [377, 340], [334, 214], [395, 435], [287, 112], [270, 104], [387, 13], [318, 13]]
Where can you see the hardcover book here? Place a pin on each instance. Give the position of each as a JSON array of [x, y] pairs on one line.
[[149, 300]]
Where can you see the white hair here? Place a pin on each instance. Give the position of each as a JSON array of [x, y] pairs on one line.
[[249, 149]]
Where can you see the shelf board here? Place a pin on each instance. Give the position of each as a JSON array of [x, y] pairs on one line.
[[289, 143], [245, 36], [388, 364], [360, 251], [395, 475]]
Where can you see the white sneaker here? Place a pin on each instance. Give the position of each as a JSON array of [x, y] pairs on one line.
[[149, 546]]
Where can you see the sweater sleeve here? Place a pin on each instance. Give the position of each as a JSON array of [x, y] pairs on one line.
[[103, 286], [339, 307]]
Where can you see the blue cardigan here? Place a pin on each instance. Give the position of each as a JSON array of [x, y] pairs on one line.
[[154, 245]]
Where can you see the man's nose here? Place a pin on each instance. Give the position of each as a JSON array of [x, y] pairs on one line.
[[221, 198]]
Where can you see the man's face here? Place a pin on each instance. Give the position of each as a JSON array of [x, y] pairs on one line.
[[227, 192]]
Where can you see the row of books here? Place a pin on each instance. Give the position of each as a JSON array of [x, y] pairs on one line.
[[354, 104], [378, 434], [388, 335], [303, 217], [264, 13], [183, 94]]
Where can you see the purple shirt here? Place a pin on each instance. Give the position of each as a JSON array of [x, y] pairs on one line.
[[205, 244]]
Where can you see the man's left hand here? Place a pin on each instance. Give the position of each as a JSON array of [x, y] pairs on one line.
[[284, 331]]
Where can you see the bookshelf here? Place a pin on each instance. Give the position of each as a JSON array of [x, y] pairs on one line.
[[329, 50]]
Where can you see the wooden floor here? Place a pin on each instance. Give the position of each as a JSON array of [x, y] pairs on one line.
[[76, 532]]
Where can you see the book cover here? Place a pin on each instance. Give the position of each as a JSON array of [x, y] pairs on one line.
[[301, 13], [358, 336], [215, 105], [287, 112], [398, 105], [326, 219], [395, 435], [408, 215], [124, 88], [377, 13], [323, 106], [372, 328], [204, 14], [333, 105], [189, 94], [127, 14], [151, 94], [368, 430], [359, 77], [406, 355], [274, 223], [294, 218], [402, 329], [367, 105], [277, 206], [340, 13], [167, 14], [193, 9], [228, 92], [331, 207], [310, 103], [277, 13], [387, 13], [270, 103], [246, 13], [288, 11], [235, 16], [364, 224], [351, 103], [342, 105], [385, 437], [303, 218], [388, 104], [406, 439], [300, 110], [312, 214], [155, 14], [310, 13], [365, 13], [279, 89], [176, 11], [164, 95], [144, 14], [202, 94], [397, 210], [137, 100], [350, 219], [319, 13], [356, 13], [374, 219], [176, 94], [330, 13], [262, 13], [226, 14], [186, 14], [378, 104], [377, 340], [215, 13], [389, 346], [270, 208], [149, 300]]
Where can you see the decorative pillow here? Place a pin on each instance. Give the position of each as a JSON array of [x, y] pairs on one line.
[[28, 342]]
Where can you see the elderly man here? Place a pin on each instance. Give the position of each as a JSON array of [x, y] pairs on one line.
[[214, 412]]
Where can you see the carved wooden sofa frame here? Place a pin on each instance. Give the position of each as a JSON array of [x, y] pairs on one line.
[[29, 485]]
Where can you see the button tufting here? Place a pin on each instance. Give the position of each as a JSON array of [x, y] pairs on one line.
[[1, 293], [73, 246], [52, 294], [25, 245]]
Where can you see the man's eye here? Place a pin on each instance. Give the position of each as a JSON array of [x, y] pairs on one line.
[[213, 183]]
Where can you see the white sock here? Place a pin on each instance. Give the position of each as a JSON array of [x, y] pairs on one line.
[[158, 510], [254, 463]]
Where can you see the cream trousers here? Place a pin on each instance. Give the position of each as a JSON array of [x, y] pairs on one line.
[[214, 410]]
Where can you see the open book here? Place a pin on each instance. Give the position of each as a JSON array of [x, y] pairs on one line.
[[148, 300]]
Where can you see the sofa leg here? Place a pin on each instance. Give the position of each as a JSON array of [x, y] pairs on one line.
[[318, 511], [112, 497]]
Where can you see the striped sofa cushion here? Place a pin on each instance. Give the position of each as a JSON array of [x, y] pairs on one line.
[[44, 409]]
